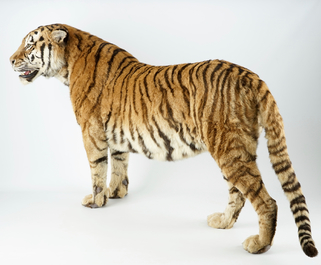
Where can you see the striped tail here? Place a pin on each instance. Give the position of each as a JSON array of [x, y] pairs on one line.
[[271, 121]]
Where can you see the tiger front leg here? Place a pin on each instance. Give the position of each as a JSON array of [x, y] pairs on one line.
[[118, 185], [96, 149]]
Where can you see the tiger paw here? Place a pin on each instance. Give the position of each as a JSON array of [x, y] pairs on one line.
[[219, 220], [97, 200], [118, 191], [254, 245]]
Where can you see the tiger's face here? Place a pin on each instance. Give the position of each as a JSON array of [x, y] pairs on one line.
[[40, 53]]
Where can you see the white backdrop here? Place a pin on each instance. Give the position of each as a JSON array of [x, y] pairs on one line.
[[41, 144]]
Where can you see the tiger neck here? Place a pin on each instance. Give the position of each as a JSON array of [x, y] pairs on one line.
[[63, 75]]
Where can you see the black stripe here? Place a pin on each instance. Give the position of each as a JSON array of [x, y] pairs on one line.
[[192, 86], [291, 180], [130, 148], [228, 71], [186, 94], [114, 133], [79, 38], [217, 67], [258, 190], [300, 209], [275, 165], [260, 85], [88, 53], [278, 151], [283, 169], [292, 189], [240, 70], [146, 86], [157, 72], [116, 153], [167, 142], [122, 134], [305, 227], [48, 28], [285, 162], [298, 200], [280, 140], [119, 158], [240, 172], [199, 67], [41, 51], [301, 218], [181, 136], [110, 62], [229, 162], [131, 126], [143, 72], [173, 71], [233, 189], [107, 120], [100, 160], [307, 240], [67, 74], [167, 81], [302, 234], [49, 55], [143, 146]]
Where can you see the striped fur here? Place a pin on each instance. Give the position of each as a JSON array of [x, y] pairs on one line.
[[169, 113]]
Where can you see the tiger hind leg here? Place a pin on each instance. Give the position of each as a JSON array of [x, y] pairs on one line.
[[227, 219], [118, 185], [245, 176]]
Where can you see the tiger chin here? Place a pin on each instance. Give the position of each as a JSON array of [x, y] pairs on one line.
[[169, 113]]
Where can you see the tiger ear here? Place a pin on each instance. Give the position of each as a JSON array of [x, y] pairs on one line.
[[59, 36]]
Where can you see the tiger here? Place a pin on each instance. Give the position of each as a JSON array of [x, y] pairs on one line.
[[169, 113]]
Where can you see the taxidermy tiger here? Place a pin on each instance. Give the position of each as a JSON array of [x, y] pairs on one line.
[[169, 113]]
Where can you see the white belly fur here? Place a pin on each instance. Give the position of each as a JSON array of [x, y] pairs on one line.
[[150, 148]]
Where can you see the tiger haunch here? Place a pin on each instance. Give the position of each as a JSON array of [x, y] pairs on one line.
[[169, 113]]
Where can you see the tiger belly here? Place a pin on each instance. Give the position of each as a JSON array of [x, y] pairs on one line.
[[169, 147]]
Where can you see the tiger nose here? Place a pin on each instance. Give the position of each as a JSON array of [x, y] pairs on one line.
[[12, 60]]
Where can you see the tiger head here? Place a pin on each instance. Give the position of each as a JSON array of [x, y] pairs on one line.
[[41, 53]]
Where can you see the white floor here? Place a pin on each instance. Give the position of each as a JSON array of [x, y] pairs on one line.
[[154, 226]]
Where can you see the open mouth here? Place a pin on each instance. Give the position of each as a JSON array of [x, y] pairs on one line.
[[29, 74]]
